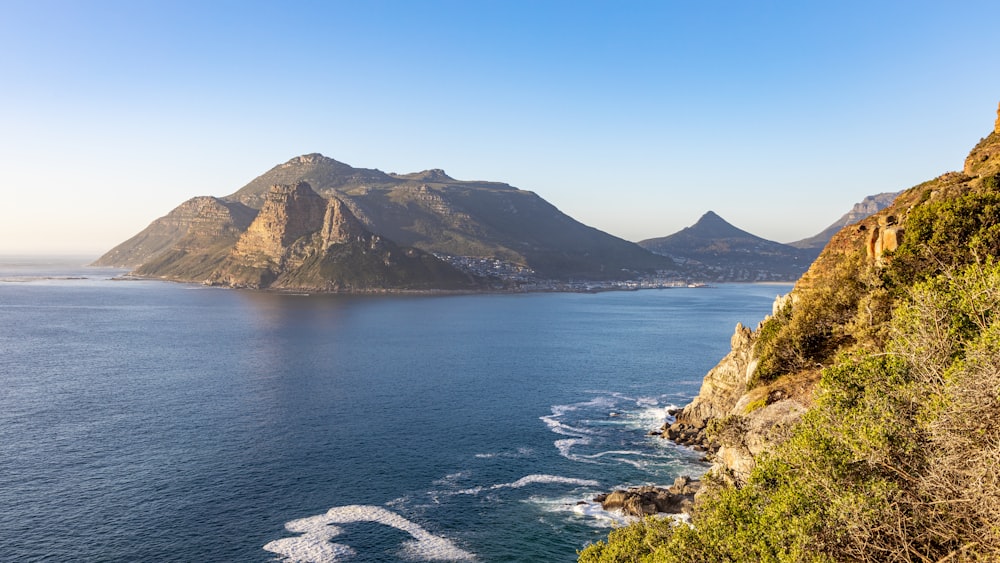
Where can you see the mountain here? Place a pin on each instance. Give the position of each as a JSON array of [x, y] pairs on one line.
[[865, 208], [722, 252], [300, 240], [860, 421], [433, 212]]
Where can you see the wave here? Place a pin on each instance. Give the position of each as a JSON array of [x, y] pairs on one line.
[[314, 545], [536, 479]]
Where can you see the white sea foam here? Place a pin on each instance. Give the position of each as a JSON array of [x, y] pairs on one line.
[[593, 514], [520, 453], [537, 479], [314, 545]]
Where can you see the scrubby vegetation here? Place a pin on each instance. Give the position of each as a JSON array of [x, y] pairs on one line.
[[898, 459]]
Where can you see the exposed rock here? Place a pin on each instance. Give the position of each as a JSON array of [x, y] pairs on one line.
[[720, 391], [885, 237], [644, 501], [861, 210], [984, 160], [289, 213], [340, 225], [742, 428]]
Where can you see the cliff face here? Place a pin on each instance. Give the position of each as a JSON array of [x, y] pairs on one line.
[[730, 420], [302, 241], [842, 304], [289, 213]]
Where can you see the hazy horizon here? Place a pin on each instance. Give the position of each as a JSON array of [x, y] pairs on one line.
[[632, 118]]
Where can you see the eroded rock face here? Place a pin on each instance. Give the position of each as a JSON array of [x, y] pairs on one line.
[[720, 391], [289, 213], [885, 237], [744, 429], [340, 225], [302, 241]]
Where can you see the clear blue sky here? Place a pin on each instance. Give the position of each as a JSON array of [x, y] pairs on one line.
[[633, 117]]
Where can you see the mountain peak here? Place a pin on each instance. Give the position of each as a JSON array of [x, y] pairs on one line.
[[711, 225], [314, 158]]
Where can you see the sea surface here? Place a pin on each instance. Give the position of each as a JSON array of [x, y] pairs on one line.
[[154, 421]]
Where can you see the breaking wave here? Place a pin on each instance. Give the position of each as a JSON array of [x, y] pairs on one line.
[[314, 545]]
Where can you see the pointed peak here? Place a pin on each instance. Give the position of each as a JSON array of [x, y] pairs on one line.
[[711, 216], [711, 225]]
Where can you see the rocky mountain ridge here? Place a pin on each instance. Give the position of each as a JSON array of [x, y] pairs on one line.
[[433, 212]]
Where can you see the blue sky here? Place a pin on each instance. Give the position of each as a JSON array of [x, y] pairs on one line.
[[633, 117]]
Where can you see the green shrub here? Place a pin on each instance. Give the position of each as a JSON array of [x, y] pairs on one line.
[[898, 459]]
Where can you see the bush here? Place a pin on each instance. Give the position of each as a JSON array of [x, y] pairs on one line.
[[898, 460], [807, 334]]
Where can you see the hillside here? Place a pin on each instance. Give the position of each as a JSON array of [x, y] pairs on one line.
[[718, 251], [435, 213], [861, 420], [865, 208]]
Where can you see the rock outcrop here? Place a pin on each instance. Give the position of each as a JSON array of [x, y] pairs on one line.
[[289, 213], [861, 210], [644, 501], [730, 421], [886, 236], [984, 159]]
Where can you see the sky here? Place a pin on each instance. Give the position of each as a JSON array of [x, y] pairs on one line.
[[634, 117]]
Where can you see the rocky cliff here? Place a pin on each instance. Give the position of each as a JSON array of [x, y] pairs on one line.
[[841, 304], [732, 421]]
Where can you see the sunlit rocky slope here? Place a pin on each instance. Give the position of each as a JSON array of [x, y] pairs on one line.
[[861, 420]]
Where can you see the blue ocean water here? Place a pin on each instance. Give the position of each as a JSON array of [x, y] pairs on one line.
[[152, 421]]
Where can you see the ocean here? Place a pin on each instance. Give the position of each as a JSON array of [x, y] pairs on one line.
[[156, 421]]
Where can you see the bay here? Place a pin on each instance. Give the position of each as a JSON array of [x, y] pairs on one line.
[[152, 421]]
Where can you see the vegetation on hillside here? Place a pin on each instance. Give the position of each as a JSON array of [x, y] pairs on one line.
[[899, 457]]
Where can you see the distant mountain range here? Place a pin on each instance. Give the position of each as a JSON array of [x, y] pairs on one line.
[[319, 224], [713, 249], [718, 251]]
